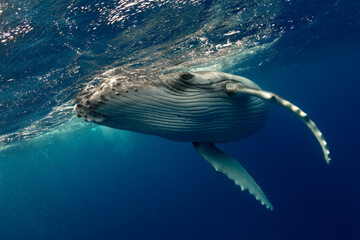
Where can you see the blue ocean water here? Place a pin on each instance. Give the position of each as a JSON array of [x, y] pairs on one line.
[[63, 178]]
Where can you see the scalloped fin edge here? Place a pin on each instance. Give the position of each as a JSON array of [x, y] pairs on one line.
[[231, 168], [238, 90]]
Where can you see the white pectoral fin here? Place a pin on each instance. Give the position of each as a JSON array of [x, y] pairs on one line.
[[228, 166], [235, 89]]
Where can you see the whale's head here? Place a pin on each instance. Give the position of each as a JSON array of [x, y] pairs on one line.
[[184, 106]]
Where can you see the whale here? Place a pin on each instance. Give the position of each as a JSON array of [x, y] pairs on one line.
[[203, 108]]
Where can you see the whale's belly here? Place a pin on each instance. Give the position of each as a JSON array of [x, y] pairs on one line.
[[190, 117]]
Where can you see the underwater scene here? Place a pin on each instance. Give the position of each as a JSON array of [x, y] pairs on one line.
[[71, 168]]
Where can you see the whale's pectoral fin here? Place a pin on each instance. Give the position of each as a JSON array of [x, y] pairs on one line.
[[228, 165], [238, 90]]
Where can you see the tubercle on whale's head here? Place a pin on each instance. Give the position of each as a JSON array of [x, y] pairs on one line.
[[86, 113], [110, 85]]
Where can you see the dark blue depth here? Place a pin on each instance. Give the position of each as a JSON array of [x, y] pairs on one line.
[[101, 183]]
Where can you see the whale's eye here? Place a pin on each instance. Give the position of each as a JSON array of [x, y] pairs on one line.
[[186, 76]]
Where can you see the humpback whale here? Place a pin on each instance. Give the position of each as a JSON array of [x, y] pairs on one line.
[[204, 108]]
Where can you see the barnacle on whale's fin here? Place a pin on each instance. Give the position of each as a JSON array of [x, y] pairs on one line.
[[234, 89], [228, 166]]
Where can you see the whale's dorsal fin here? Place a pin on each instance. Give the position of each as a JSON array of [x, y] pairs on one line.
[[228, 165], [235, 89]]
